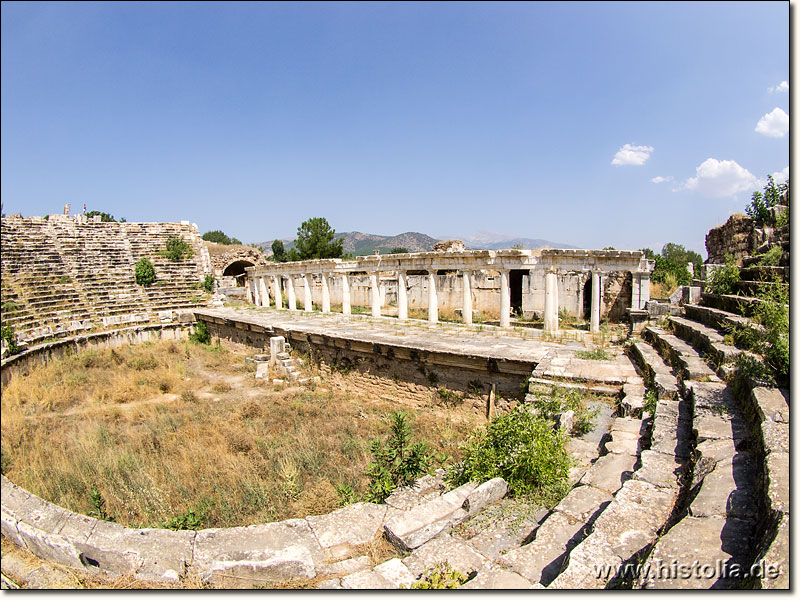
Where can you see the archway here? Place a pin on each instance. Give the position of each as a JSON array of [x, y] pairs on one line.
[[237, 270]]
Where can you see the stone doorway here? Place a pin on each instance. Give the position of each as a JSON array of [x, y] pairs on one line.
[[515, 281], [237, 270]]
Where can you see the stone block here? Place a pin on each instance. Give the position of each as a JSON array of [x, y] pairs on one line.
[[343, 530], [727, 490], [365, 580], [583, 502], [425, 521], [423, 489], [262, 371], [610, 472], [777, 479], [661, 470], [583, 562], [459, 555], [395, 572], [277, 345], [292, 562], [771, 404], [775, 436], [485, 494], [497, 579], [542, 559], [776, 558], [344, 567]]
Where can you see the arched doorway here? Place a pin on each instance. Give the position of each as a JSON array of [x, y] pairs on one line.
[[237, 270]]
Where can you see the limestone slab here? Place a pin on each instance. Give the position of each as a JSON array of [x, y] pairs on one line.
[[583, 502], [775, 436], [497, 579], [408, 496], [395, 572], [458, 554], [728, 490], [610, 472], [292, 562], [771, 404], [583, 562], [777, 472], [365, 580], [661, 470], [777, 555], [342, 530], [344, 567], [485, 494]]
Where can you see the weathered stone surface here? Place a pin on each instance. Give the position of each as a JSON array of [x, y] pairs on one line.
[[583, 502], [459, 555], [542, 559], [630, 522], [331, 584], [624, 446], [705, 540], [715, 426], [632, 426], [344, 567], [262, 371], [775, 436], [293, 562], [727, 490], [425, 521], [771, 404], [566, 420], [272, 551], [365, 580], [152, 554], [662, 470], [395, 572], [583, 562], [610, 472], [497, 579], [777, 474], [777, 556], [486, 493], [580, 447], [408, 496], [340, 531], [501, 528]]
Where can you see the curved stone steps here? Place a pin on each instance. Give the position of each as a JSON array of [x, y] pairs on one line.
[[655, 369], [705, 339], [719, 319], [718, 524], [683, 358]]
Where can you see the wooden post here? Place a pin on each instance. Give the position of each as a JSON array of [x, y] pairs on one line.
[[490, 404]]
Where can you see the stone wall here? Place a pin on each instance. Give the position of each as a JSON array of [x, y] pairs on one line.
[[735, 237]]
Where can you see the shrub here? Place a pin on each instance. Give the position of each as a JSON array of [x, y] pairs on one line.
[[190, 520], [219, 237], [520, 447], [596, 354], [397, 461], [760, 203], [650, 402], [144, 272], [177, 249], [770, 258], [98, 505], [723, 280], [440, 577], [208, 283], [7, 333], [201, 334]]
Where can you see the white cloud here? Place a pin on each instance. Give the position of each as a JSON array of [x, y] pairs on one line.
[[781, 175], [720, 178], [783, 86], [660, 179], [774, 124], [632, 155]]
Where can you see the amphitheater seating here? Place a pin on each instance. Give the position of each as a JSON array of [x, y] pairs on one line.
[[63, 275]]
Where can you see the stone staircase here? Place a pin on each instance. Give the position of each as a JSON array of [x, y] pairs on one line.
[[62, 275]]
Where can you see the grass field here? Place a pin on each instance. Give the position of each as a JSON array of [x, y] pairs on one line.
[[180, 434]]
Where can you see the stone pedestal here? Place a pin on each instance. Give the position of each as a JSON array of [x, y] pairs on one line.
[[594, 326], [433, 301], [466, 305], [551, 302], [346, 308], [402, 296]]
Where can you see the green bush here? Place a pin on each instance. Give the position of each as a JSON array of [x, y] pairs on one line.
[[208, 283], [201, 334], [144, 272], [190, 520], [396, 461], [440, 577], [770, 258], [723, 280], [177, 249], [760, 203], [7, 333], [523, 449], [219, 237]]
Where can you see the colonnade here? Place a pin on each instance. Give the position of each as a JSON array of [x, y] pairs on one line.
[[266, 290]]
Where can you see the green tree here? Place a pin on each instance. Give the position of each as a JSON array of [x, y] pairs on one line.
[[648, 253], [315, 239], [144, 272], [219, 237], [104, 216], [760, 203], [398, 250], [279, 252]]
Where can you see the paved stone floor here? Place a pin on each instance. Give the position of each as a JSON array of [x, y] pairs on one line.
[[523, 344]]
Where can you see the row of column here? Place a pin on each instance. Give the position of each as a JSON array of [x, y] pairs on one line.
[[259, 294]]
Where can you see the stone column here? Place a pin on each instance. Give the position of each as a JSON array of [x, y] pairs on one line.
[[326, 294], [262, 282], [644, 290], [309, 306], [249, 287], [505, 300], [551, 302], [375, 295], [346, 309], [433, 301], [594, 324], [402, 296], [276, 291], [466, 306], [256, 293], [290, 292]]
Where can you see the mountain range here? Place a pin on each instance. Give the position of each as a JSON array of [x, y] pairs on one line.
[[360, 244]]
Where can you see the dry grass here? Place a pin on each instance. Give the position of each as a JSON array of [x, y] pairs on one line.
[[160, 429]]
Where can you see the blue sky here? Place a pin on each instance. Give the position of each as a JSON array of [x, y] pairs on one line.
[[542, 120]]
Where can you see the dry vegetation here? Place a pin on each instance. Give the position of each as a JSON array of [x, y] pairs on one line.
[[177, 431]]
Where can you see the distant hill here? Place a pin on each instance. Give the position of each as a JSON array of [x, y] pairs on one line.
[[361, 244]]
